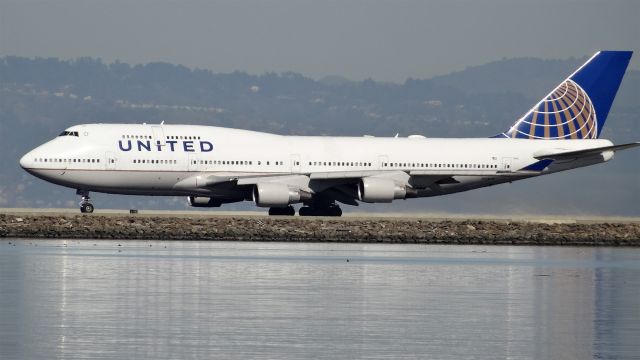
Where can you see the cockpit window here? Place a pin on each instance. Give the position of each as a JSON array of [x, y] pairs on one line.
[[68, 133]]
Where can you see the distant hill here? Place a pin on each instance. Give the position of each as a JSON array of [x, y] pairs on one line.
[[527, 76], [334, 80], [41, 96]]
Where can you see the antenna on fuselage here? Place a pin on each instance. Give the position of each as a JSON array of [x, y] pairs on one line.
[[162, 122]]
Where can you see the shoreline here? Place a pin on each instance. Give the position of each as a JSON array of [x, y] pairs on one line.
[[395, 230]]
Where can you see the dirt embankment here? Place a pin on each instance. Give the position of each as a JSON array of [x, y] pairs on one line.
[[319, 230]]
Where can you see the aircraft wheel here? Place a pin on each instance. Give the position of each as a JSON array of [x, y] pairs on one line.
[[286, 211], [335, 211], [86, 208], [312, 211], [305, 211]]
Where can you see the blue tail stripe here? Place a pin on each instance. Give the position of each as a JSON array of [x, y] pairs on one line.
[[601, 80]]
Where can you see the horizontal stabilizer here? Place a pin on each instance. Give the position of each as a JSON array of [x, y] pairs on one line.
[[563, 155]]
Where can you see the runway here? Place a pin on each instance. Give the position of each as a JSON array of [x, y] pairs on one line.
[[348, 216], [353, 228]]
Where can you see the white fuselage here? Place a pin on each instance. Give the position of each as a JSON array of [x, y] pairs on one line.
[[183, 159]]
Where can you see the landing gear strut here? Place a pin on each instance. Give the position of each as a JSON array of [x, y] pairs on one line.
[[285, 211], [85, 203]]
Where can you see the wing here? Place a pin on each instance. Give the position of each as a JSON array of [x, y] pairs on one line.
[[348, 187]]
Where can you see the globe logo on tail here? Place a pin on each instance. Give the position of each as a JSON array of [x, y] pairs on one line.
[[566, 113]]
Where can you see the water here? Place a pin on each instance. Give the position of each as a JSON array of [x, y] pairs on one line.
[[178, 300]]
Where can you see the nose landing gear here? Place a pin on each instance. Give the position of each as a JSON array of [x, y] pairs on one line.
[[85, 203], [86, 208]]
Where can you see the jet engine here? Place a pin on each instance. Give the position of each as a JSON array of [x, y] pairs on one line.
[[380, 190], [277, 195], [203, 201]]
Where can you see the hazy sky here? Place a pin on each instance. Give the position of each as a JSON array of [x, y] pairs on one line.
[[384, 40]]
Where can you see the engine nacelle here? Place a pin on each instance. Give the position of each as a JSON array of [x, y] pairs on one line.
[[380, 190], [276, 195], [203, 201]]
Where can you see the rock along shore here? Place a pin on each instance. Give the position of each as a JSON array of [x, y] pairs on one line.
[[355, 230]]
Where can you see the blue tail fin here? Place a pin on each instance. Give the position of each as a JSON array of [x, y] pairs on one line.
[[578, 107]]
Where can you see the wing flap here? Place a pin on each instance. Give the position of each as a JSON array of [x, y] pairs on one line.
[[299, 181], [344, 174]]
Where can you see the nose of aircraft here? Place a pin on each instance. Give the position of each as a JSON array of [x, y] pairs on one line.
[[23, 162], [26, 161]]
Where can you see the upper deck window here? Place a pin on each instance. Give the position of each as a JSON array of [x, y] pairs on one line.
[[69, 133]]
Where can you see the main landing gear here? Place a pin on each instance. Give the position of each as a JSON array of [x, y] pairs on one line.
[[329, 210], [85, 203], [311, 210], [285, 211]]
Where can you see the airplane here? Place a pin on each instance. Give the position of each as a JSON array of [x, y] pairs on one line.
[[213, 166]]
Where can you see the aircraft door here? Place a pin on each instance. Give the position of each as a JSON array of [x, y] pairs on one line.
[[506, 164], [295, 163], [109, 160], [158, 136], [63, 164], [192, 162], [382, 159]]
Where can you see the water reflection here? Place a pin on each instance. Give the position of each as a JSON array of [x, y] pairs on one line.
[[162, 300]]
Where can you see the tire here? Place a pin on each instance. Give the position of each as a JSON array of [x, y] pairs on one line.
[[305, 211], [287, 211], [335, 211], [86, 208]]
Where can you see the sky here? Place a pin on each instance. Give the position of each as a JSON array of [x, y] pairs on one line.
[[379, 39]]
